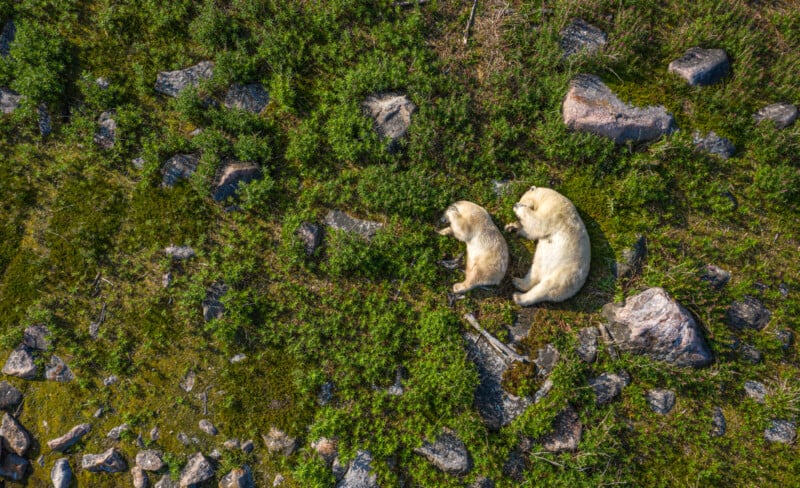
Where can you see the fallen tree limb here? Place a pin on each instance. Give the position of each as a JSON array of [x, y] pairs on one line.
[[494, 342], [470, 21]]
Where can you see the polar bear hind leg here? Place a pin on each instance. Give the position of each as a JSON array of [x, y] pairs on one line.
[[541, 292], [528, 281]]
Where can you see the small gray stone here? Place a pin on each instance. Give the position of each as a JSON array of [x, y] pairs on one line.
[[661, 401], [179, 252], [188, 381], [20, 363], [45, 125], [701, 66], [7, 37], [98, 413], [515, 466], [61, 474], [231, 444], [501, 187], [749, 313], [232, 175], [750, 353], [785, 336], [782, 431], [590, 106], [756, 390], [587, 338], [171, 83], [482, 482], [341, 221], [9, 395], [278, 480], [325, 395], [9, 100], [567, 430], [207, 427], [248, 446], [608, 385], [780, 114], [391, 114], [106, 135], [714, 144], [166, 482], [359, 473], [716, 277], [155, 434], [138, 163], [580, 36], [213, 308], [448, 453], [311, 237], [251, 98], [150, 460], [238, 478], [279, 443], [116, 432], [102, 83], [139, 477], [13, 435], [197, 470], [37, 337], [327, 449], [177, 168], [110, 380], [183, 438], [166, 279], [718, 424], [57, 370], [238, 358], [14, 467], [546, 360], [110, 461], [70, 438], [632, 259], [215, 455], [542, 392]]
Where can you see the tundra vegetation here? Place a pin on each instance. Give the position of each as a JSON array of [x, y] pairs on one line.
[[84, 229]]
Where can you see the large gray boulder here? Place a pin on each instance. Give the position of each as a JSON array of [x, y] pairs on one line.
[[61, 473], [197, 470], [13, 435], [9, 100], [781, 114], [177, 168], [232, 175], [391, 114], [251, 98], [359, 473], [110, 461], [172, 83], [701, 66], [566, 435], [447, 453], [590, 106], [580, 36], [70, 438], [654, 324], [341, 221], [20, 363]]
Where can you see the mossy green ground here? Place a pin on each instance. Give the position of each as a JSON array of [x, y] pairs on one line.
[[355, 311]]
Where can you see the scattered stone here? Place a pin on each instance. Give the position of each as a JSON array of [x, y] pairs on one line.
[[166, 482], [278, 480], [98, 413], [359, 474], [188, 381], [325, 395], [215, 455], [166, 279], [279, 443], [782, 431], [37, 337], [177, 168], [150, 460], [654, 324], [785, 336], [632, 260], [543, 391], [783, 288], [700, 67], [111, 461], [566, 436], [750, 353], [106, 135], [590, 106], [781, 114], [14, 467], [14, 436], [45, 126], [139, 477], [397, 388], [20, 363], [496, 407], [138, 163], [500, 187], [392, 116], [587, 338], [116, 432], [580, 36], [110, 380], [9, 396], [9, 100], [518, 330], [718, 424], [102, 83], [311, 237], [716, 277], [232, 175], [661, 401], [482, 482], [326, 448], [207, 427], [448, 453], [183, 438], [179, 252], [546, 360], [6, 38], [61, 474], [749, 313], [514, 468], [238, 478], [197, 470], [756, 390], [238, 358], [154, 434], [248, 446], [341, 221], [213, 308], [714, 144], [338, 469], [171, 83], [252, 98], [70, 438], [57, 370], [231, 444], [608, 385]]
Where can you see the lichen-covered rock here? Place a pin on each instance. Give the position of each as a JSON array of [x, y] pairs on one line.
[[57, 370], [567, 430], [70, 438], [37, 337], [238, 478], [14, 436], [608, 385], [359, 473], [590, 106], [106, 135], [61, 473], [252, 97], [207, 427], [756, 390], [20, 363], [701, 66], [448, 453], [197, 470], [580, 36], [232, 175], [714, 144], [171, 83], [177, 168], [279, 442], [780, 114], [783, 431], [341, 221], [392, 115], [661, 401], [213, 308], [749, 313], [9, 100], [587, 348], [10, 396], [311, 237], [110, 461], [149, 460], [14, 467]]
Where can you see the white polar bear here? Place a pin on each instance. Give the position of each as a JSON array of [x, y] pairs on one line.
[[563, 253]]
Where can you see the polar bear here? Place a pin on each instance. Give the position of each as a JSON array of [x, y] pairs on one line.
[[487, 251], [563, 253]]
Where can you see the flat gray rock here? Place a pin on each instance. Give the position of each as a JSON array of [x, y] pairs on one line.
[[238, 478], [20, 363], [653, 324], [749, 313], [580, 36], [359, 473], [587, 348], [213, 308], [207, 427], [391, 114], [756, 390], [496, 407], [567, 430], [590, 106], [608, 386], [716, 277], [9, 100], [232, 175], [37, 337], [10, 396], [783, 431], [171, 83], [177, 168], [106, 135], [448, 453], [150, 460], [140, 479], [179, 252], [7, 37], [251, 98], [661, 401], [14, 467], [782, 115], [110, 461], [57, 370], [714, 144], [341, 221], [701, 67], [70, 438], [718, 424], [116, 432], [278, 442], [311, 237], [61, 473], [13, 435], [197, 470], [632, 259]]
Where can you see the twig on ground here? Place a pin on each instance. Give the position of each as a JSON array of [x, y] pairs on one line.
[[609, 341], [470, 21], [494, 342], [409, 4]]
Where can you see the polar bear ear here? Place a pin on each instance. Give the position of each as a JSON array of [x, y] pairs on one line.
[[531, 188]]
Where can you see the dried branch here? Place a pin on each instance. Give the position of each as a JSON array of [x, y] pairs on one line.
[[470, 21], [409, 4], [494, 342]]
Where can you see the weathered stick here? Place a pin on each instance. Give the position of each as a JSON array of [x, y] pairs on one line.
[[609, 341], [494, 342], [94, 327], [409, 4], [470, 21]]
